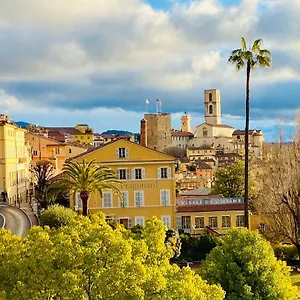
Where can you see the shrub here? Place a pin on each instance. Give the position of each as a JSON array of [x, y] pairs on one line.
[[245, 266], [56, 216], [285, 252]]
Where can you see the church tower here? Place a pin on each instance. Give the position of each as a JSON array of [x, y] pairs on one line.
[[212, 105], [186, 123]]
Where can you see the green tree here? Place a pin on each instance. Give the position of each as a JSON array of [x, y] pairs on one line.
[[251, 57], [56, 216], [88, 260], [85, 178], [229, 181], [245, 266]]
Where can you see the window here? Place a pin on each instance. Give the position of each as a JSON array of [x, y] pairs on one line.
[[140, 221], [226, 222], [164, 173], [210, 109], [123, 174], [164, 197], [122, 152], [124, 200], [240, 221], [238, 137], [139, 173], [78, 201], [57, 150], [138, 198], [35, 152], [186, 222], [166, 220], [204, 131], [70, 150], [210, 96], [199, 222], [107, 199], [213, 222]]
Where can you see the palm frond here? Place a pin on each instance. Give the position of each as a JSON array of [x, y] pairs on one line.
[[256, 45], [244, 44]]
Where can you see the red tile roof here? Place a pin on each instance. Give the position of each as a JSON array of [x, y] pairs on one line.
[[64, 130], [220, 125], [181, 133], [242, 132]]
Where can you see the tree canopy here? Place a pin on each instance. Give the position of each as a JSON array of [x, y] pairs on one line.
[[245, 266], [88, 259]]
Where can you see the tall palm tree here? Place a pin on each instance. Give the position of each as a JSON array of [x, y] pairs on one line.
[[251, 57], [85, 178]]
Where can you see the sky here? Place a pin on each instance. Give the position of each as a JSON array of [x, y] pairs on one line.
[[64, 62]]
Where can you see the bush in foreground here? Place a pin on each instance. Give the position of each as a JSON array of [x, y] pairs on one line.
[[88, 259], [245, 266], [56, 216]]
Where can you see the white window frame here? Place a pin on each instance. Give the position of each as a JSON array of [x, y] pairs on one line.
[[118, 152], [165, 193], [229, 221], [217, 222], [143, 198], [169, 172], [236, 221], [137, 220], [126, 173], [166, 220], [143, 173], [78, 201], [103, 199], [202, 217], [122, 202]]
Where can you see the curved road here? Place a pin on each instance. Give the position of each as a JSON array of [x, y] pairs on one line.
[[15, 220]]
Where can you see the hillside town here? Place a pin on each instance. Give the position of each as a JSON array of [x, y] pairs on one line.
[[149, 150]]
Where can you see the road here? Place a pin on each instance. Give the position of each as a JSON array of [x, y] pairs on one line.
[[15, 220]]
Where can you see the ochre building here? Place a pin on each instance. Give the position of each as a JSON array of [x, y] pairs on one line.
[[147, 184]]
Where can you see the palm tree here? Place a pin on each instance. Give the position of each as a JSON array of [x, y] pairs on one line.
[[85, 178], [252, 57]]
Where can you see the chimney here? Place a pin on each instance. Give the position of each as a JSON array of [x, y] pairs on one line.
[[143, 136]]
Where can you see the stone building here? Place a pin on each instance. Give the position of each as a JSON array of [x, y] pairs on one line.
[[159, 131]]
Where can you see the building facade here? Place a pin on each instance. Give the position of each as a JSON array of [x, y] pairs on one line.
[[198, 215], [147, 184], [159, 131], [43, 148], [14, 162]]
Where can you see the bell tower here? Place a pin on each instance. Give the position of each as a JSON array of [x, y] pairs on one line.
[[186, 123], [212, 105]]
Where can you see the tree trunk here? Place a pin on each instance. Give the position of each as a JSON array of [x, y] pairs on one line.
[[298, 248], [84, 196], [246, 195]]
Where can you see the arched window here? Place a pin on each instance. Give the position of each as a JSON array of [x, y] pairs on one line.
[[204, 131], [210, 109], [238, 137], [210, 96]]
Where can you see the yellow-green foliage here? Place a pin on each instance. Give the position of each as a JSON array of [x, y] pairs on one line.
[[285, 251], [245, 266], [88, 259]]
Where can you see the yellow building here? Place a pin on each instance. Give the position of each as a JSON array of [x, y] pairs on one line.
[[43, 148], [209, 214], [14, 162], [201, 152], [147, 184], [85, 135]]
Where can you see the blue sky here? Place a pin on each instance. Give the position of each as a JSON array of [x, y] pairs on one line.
[[66, 62]]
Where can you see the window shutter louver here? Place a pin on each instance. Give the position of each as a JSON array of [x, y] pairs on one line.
[[143, 173], [127, 174], [133, 174], [117, 153], [169, 172], [129, 223], [126, 152], [179, 223], [158, 173], [167, 197]]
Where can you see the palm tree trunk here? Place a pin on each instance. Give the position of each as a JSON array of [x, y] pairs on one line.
[[84, 196], [246, 195]]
